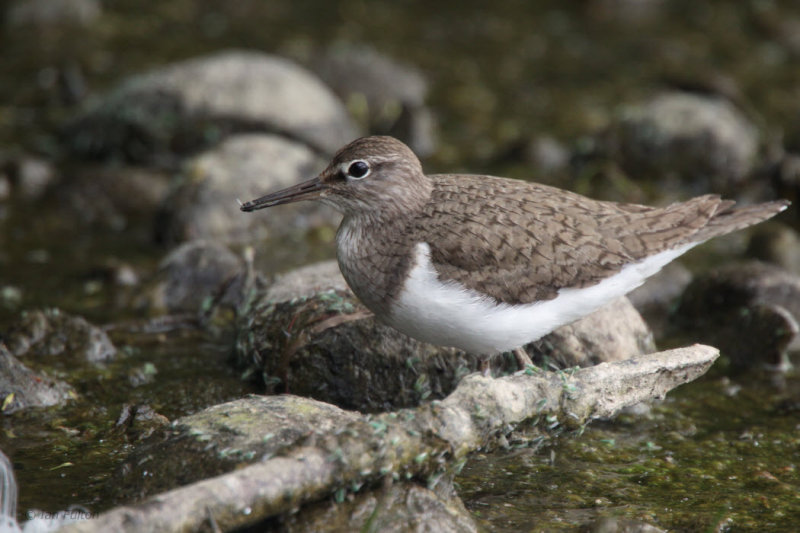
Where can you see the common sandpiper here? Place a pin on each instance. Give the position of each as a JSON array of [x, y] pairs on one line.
[[489, 264]]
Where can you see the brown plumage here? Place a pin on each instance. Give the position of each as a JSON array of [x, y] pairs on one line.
[[513, 241]]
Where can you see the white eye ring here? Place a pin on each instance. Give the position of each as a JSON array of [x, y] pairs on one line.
[[355, 166]]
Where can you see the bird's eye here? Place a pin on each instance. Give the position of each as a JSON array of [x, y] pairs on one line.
[[358, 169]]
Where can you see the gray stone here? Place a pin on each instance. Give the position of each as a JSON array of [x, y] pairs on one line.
[[221, 438], [749, 310], [194, 276], [775, 243], [192, 104], [52, 13], [52, 333], [697, 138], [245, 166], [388, 96], [21, 387]]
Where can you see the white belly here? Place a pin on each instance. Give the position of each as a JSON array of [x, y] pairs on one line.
[[449, 314]]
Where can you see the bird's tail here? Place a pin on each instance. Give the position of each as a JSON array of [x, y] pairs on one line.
[[729, 218]]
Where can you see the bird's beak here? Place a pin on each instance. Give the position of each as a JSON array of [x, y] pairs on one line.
[[307, 190]]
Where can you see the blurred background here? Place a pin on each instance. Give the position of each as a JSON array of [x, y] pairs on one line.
[[124, 135]]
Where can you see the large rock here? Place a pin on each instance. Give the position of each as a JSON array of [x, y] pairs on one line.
[[749, 310], [245, 166], [194, 103], [26, 13], [694, 137], [388, 96], [193, 277], [21, 387], [62, 338], [310, 335]]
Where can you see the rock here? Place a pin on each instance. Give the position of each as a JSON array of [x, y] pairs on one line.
[[52, 13], [775, 243], [51, 332], [194, 276], [245, 166], [189, 105], [305, 282], [750, 311], [398, 507], [388, 96], [614, 332], [112, 196], [21, 387], [138, 422], [28, 176], [547, 155], [219, 439], [326, 345], [698, 138], [659, 295]]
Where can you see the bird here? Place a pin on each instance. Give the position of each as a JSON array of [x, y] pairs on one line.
[[488, 264]]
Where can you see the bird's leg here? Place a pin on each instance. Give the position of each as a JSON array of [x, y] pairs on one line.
[[523, 360], [485, 367]]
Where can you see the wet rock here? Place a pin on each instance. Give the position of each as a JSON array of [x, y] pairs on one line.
[[28, 177], [58, 336], [695, 137], [220, 439], [307, 281], [52, 12], [111, 196], [400, 507], [388, 96], [614, 332], [775, 243], [138, 422], [659, 296], [189, 105], [194, 276], [326, 345], [21, 387], [547, 155], [750, 311], [246, 166]]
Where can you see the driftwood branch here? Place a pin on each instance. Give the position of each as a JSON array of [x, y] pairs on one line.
[[413, 443]]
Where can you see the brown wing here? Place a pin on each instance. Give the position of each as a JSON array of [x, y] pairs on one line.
[[523, 242]]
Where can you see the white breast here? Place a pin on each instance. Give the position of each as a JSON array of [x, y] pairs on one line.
[[449, 314]]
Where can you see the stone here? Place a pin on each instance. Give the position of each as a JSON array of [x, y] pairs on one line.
[[194, 276], [60, 337], [749, 310], [775, 243], [204, 205], [703, 140], [52, 13], [158, 116], [22, 388], [387, 95]]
